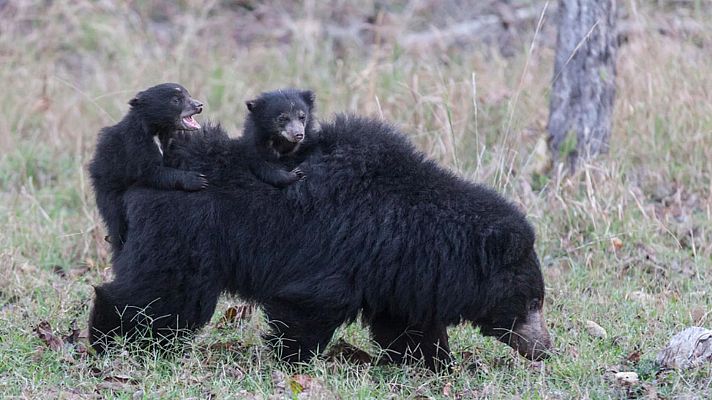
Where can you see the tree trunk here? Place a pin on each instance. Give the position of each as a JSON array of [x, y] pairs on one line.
[[583, 87]]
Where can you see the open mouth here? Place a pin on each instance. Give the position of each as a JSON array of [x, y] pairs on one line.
[[187, 121], [190, 123]]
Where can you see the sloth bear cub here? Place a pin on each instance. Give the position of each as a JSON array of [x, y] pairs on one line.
[[277, 125], [131, 152]]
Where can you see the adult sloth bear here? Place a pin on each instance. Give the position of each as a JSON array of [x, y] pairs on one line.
[[376, 228]]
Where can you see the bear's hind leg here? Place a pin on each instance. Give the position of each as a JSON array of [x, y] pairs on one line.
[[134, 306]]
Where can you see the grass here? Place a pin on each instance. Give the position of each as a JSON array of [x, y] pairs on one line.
[[69, 68]]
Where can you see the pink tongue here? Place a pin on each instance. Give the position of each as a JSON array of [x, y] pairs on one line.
[[191, 122]]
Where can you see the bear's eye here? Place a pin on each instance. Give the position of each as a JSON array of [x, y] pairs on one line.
[[175, 100], [302, 116], [282, 118]]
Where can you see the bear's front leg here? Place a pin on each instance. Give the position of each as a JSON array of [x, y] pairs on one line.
[[404, 343], [299, 333]]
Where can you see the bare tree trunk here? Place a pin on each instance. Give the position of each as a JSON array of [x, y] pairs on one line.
[[583, 87]]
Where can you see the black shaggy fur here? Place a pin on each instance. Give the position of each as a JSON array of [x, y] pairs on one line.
[[278, 123], [377, 229], [131, 152]]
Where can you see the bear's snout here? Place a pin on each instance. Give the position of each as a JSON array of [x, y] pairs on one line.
[[531, 338]]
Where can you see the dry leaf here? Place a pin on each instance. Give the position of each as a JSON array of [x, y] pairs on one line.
[[232, 346], [343, 350], [616, 243], [44, 332], [74, 333], [236, 313], [307, 387], [634, 357], [120, 379], [596, 330], [447, 389]]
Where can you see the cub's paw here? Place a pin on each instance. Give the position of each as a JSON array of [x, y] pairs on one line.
[[195, 181], [299, 173]]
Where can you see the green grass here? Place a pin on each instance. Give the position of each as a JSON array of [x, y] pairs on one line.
[[69, 69]]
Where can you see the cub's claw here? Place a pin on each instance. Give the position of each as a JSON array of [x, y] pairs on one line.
[[195, 181], [300, 174], [204, 180]]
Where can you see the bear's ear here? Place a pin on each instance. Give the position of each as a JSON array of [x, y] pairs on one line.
[[253, 105], [136, 100], [308, 97]]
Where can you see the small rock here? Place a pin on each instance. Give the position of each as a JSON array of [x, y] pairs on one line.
[[596, 330], [626, 378]]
